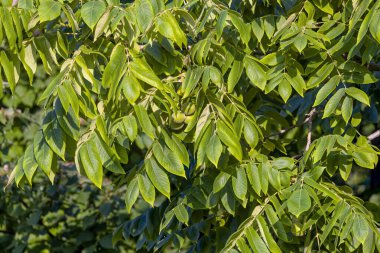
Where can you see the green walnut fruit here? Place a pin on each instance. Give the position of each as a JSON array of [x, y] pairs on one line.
[[178, 117], [188, 119], [176, 126], [188, 108]]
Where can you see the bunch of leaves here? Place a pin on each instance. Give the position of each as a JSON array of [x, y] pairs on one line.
[[190, 105]]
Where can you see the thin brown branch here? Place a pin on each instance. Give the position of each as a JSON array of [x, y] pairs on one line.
[[374, 135], [309, 121], [374, 67], [282, 131]]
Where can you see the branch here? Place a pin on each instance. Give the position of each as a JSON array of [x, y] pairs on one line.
[[309, 121], [373, 67], [374, 135], [282, 131]]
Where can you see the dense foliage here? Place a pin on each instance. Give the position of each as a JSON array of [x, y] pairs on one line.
[[233, 120]]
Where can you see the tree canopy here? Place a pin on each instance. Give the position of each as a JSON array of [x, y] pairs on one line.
[[238, 122]]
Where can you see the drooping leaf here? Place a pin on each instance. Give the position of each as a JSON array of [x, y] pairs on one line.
[[255, 73], [49, 10], [114, 69], [91, 162], [144, 120], [146, 189], [214, 149], [239, 183], [131, 194], [144, 14], [299, 202], [92, 11], [168, 159], [54, 135], [158, 177], [358, 94]]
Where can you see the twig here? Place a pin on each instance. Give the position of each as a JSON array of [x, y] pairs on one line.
[[309, 121], [373, 67], [282, 131], [374, 135]]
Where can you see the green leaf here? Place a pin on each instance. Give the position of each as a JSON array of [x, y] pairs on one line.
[[374, 26], [254, 177], [239, 183], [68, 97], [107, 155], [358, 94], [92, 11], [220, 24], [347, 107], [52, 87], [258, 28], [214, 149], [102, 24], [178, 148], [192, 78], [29, 60], [220, 181], [91, 163], [229, 138], [29, 164], [6, 18], [17, 173], [25, 4], [144, 14], [235, 74], [168, 160], [320, 75], [130, 127], [333, 103], [243, 28], [68, 121], [326, 90], [49, 10], [181, 213], [267, 235], [54, 135], [359, 78], [296, 81], [158, 177], [255, 73], [228, 199], [202, 147], [146, 189], [285, 89], [360, 228], [299, 202], [340, 213], [254, 240], [144, 72], [251, 134], [43, 154], [8, 70], [142, 116], [365, 159], [114, 69], [168, 26], [131, 88], [131, 194]]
